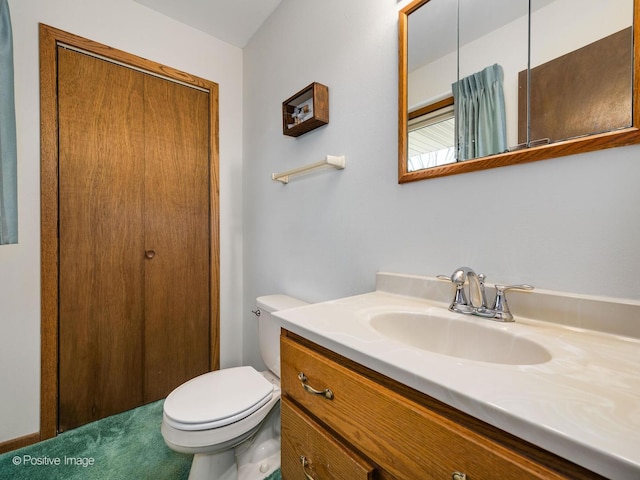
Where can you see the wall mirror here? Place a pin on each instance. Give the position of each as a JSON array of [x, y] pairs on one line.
[[489, 83]]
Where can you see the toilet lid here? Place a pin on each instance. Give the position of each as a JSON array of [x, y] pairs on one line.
[[218, 398]]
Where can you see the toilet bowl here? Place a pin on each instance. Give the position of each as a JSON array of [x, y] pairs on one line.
[[229, 419]]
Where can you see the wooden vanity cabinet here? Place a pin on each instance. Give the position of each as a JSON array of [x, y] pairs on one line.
[[388, 430]]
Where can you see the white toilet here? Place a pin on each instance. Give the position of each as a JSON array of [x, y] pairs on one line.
[[229, 419]]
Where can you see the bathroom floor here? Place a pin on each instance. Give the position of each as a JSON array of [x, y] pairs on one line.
[[127, 445]]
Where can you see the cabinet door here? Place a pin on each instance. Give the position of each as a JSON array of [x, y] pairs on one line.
[[176, 235], [101, 171], [309, 451]]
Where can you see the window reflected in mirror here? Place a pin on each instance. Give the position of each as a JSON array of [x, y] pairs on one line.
[[432, 136]]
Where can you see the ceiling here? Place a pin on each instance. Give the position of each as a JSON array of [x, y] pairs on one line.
[[233, 21]]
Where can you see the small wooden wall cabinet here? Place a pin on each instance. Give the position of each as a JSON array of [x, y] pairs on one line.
[[306, 110], [362, 425]]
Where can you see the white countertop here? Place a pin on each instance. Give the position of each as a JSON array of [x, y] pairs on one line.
[[583, 404]]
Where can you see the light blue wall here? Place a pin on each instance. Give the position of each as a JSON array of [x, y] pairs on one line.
[[568, 224]]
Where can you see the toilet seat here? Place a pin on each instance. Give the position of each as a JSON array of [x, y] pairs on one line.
[[216, 399]]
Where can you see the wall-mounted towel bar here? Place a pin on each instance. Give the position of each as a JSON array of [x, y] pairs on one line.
[[330, 161]]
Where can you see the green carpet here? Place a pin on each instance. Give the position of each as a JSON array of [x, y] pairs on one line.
[[125, 446], [274, 476]]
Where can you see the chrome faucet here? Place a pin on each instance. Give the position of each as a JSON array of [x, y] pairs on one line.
[[475, 297], [475, 301]]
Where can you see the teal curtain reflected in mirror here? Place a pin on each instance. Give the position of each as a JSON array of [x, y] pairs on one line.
[[480, 114], [8, 149]]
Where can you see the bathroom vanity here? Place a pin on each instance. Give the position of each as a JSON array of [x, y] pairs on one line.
[[358, 405], [406, 434]]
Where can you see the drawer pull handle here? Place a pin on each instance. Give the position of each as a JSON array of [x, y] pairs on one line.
[[305, 462], [327, 393], [458, 476]]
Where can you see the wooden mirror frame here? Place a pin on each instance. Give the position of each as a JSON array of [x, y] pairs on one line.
[[616, 138]]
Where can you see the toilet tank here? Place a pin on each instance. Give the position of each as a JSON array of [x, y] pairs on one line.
[[269, 328]]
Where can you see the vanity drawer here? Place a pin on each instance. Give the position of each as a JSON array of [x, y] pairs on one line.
[[403, 437], [307, 448]]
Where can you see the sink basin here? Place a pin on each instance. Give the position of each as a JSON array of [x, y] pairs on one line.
[[459, 337]]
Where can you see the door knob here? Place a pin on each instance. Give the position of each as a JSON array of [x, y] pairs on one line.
[[150, 254]]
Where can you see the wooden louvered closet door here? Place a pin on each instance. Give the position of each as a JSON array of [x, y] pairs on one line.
[[134, 237]]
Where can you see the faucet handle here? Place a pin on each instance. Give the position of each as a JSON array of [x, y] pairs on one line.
[[444, 277], [522, 286], [500, 305]]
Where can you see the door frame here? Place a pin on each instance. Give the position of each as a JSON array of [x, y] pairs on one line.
[[50, 38]]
